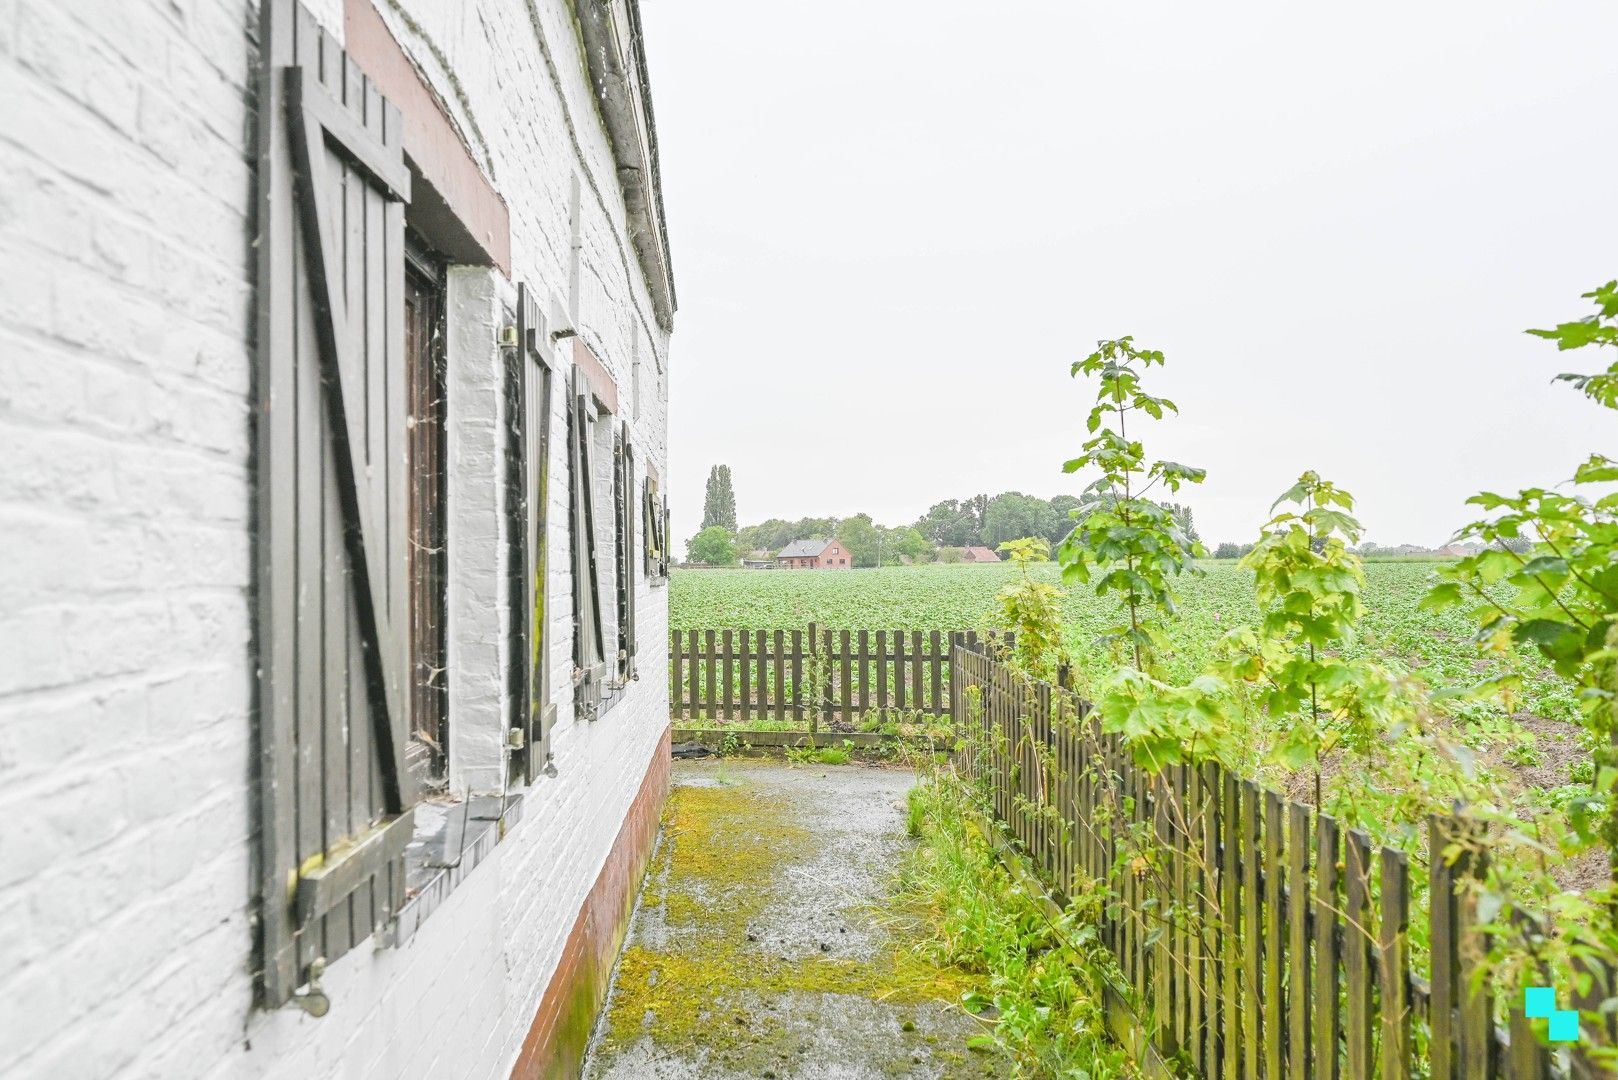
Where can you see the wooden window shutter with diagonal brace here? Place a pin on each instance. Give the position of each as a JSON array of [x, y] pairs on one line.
[[335, 802], [589, 659], [655, 523]]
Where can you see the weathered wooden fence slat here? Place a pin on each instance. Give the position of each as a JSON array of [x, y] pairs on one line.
[[1298, 975], [1252, 919], [1275, 920], [707, 660], [797, 676], [1231, 922], [1357, 949], [729, 683], [781, 693], [1393, 963], [746, 699]]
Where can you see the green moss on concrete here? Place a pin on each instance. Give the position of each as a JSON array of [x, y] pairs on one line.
[[703, 986]]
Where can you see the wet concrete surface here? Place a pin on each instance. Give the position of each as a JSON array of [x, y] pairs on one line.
[[765, 943]]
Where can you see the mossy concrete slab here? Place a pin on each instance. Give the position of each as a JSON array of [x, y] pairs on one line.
[[760, 947]]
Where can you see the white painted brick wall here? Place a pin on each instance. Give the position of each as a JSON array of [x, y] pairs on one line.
[[478, 604], [125, 562]]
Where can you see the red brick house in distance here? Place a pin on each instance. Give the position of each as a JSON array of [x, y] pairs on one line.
[[814, 555], [979, 554]]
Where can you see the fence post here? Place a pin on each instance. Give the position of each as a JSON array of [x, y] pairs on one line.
[[954, 679], [816, 676], [676, 674]]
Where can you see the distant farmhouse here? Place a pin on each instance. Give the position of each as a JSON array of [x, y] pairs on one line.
[[813, 555], [978, 554]]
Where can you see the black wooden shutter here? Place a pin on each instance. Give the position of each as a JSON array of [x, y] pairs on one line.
[[648, 524], [528, 408], [589, 661], [624, 505], [335, 802], [657, 553], [655, 545], [663, 536]]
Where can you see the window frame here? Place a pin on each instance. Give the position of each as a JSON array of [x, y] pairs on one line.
[[428, 752]]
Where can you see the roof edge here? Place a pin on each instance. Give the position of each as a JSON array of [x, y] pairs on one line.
[[616, 59]]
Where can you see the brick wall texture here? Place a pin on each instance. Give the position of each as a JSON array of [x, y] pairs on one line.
[[126, 665]]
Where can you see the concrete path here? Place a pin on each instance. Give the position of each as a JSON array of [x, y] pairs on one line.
[[765, 944]]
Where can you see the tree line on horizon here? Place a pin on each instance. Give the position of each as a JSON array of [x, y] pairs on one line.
[[940, 534]]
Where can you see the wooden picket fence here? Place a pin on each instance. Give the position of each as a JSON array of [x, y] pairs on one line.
[[814, 675], [1256, 937]]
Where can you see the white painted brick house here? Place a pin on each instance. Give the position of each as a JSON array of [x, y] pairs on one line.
[[333, 386]]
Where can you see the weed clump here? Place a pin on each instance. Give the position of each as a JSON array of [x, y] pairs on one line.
[[1041, 978]]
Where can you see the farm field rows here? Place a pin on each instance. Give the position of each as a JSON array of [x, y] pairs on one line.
[[1436, 647]]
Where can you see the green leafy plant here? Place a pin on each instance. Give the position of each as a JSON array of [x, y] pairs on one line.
[[1130, 544], [1560, 597], [1310, 690], [1546, 582], [1133, 549], [1307, 583], [713, 546], [1599, 329], [1031, 609]]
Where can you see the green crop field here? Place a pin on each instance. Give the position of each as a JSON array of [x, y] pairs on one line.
[[1437, 647]]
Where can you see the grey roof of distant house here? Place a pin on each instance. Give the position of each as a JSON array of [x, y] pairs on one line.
[[803, 549]]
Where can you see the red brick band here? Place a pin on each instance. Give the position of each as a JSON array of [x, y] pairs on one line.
[[560, 1032]]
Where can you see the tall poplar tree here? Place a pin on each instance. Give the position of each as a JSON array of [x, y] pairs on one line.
[[719, 504]]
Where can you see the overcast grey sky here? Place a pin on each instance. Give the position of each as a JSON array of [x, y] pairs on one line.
[[896, 224]]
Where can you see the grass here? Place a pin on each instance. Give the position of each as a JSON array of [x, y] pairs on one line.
[[1041, 978]]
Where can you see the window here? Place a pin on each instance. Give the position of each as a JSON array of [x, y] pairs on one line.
[[426, 454]]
